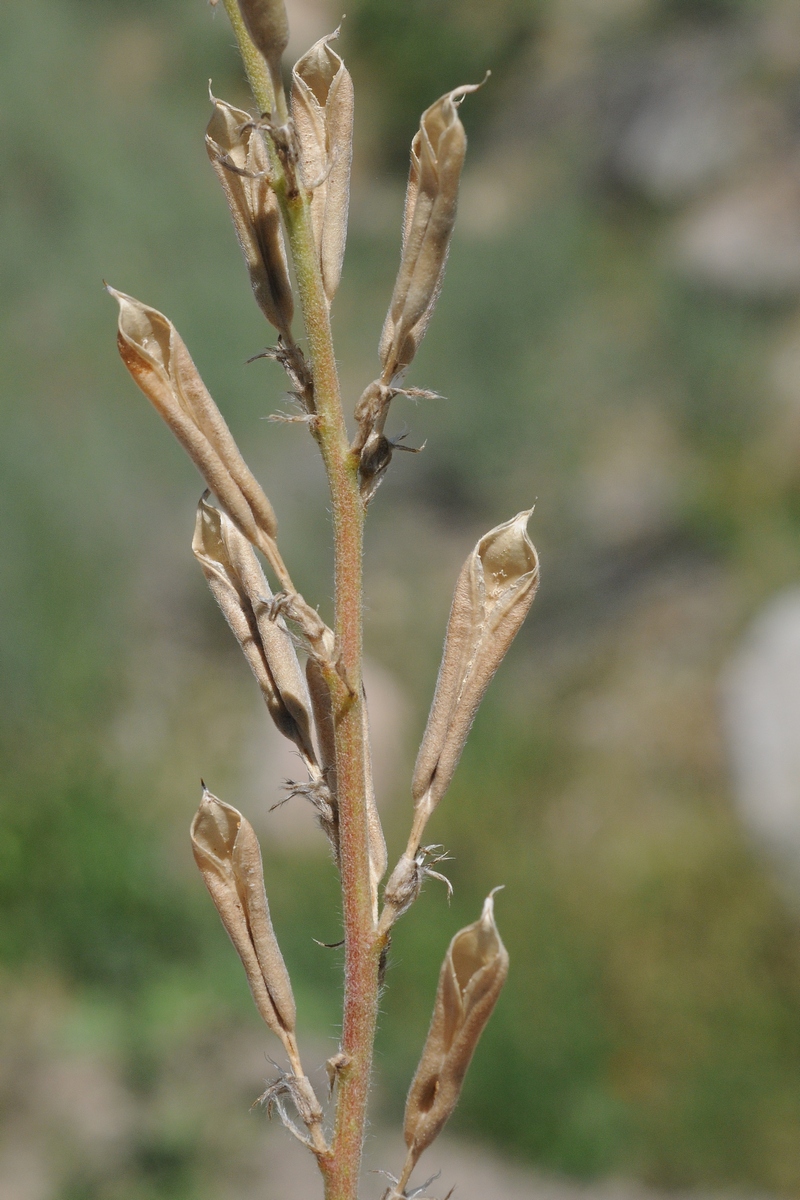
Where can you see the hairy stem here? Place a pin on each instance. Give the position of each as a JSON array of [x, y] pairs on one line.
[[254, 65], [341, 1166], [361, 955]]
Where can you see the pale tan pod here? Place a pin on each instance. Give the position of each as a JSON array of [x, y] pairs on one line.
[[425, 280], [437, 157], [268, 26], [216, 830], [322, 110], [239, 157], [378, 858], [241, 591], [249, 874], [412, 189], [161, 365], [209, 550], [279, 649], [472, 976], [494, 591], [322, 709]]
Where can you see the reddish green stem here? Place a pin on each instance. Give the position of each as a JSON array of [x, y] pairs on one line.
[[361, 952], [341, 1166]]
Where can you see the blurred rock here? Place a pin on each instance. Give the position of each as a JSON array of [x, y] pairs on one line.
[[679, 117], [63, 1112], [193, 1117], [761, 709], [779, 35], [496, 192], [785, 370], [636, 478], [651, 710], [24, 1174], [746, 239]]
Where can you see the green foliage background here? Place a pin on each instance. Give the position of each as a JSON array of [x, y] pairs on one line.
[[651, 1024]]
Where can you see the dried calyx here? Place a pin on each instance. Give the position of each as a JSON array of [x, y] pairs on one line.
[[244, 597], [238, 585], [322, 110], [494, 591], [226, 850], [238, 155], [472, 976], [227, 853], [376, 843], [437, 158], [322, 708], [160, 364]]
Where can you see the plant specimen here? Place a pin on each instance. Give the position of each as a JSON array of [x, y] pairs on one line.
[[285, 174]]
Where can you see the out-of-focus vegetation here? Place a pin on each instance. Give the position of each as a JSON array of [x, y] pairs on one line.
[[595, 360], [406, 55]]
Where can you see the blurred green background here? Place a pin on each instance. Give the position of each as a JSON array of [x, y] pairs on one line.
[[619, 340]]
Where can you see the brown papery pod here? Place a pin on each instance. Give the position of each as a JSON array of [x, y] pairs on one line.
[[268, 26], [322, 109], [376, 843], [494, 591], [161, 365], [472, 976], [226, 850], [239, 157], [322, 709], [437, 156], [238, 585]]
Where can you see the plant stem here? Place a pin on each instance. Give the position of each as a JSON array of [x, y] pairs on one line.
[[254, 65], [362, 949]]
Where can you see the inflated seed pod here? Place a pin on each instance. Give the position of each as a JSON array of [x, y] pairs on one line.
[[494, 591], [322, 109], [437, 157], [321, 707], [238, 585], [160, 364], [226, 851], [378, 858], [472, 976], [320, 695], [239, 158], [268, 26]]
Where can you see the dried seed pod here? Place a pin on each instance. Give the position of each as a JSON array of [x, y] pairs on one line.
[[239, 157], [472, 976], [322, 109], [268, 26], [494, 591], [437, 156], [226, 850], [321, 707], [243, 594], [378, 858], [161, 365], [326, 742]]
